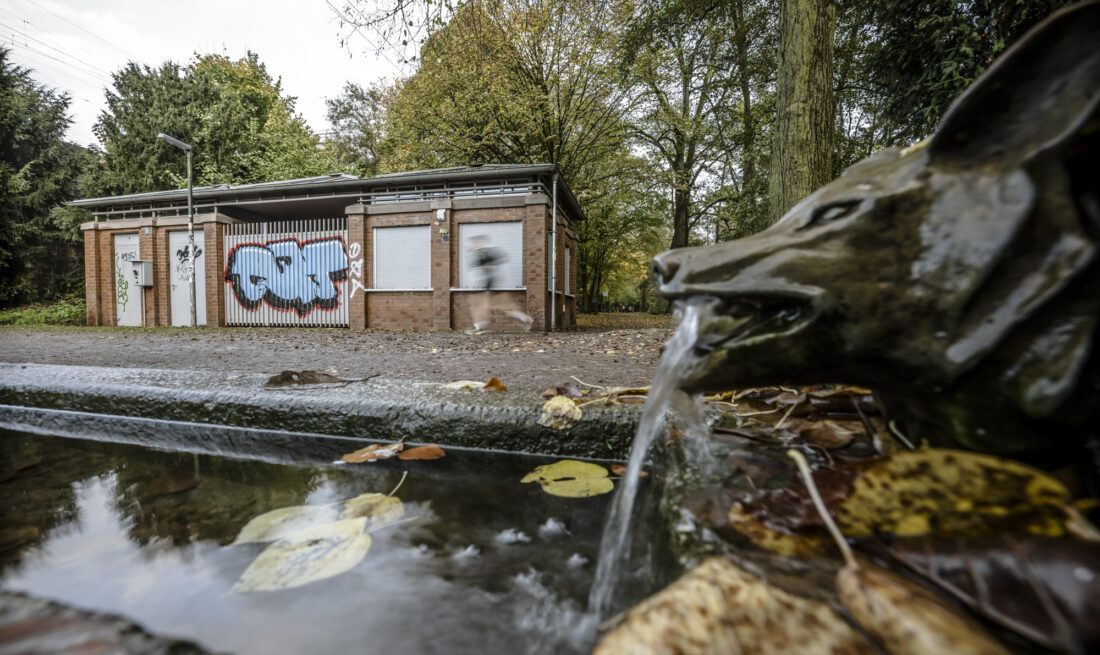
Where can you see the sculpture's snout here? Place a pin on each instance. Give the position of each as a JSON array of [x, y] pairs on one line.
[[665, 266]]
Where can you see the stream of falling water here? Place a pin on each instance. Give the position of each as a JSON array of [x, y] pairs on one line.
[[663, 393]]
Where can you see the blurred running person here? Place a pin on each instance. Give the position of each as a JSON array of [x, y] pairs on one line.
[[487, 258]]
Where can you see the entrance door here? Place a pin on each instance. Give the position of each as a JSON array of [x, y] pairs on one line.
[[179, 278], [127, 294]]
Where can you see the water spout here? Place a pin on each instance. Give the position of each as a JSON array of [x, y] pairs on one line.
[[614, 546]]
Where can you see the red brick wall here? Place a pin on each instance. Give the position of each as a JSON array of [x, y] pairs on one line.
[[93, 276], [400, 310], [438, 309]]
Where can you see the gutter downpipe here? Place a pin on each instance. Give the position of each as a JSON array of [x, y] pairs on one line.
[[554, 253]]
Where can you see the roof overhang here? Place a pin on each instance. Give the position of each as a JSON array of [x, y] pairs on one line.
[[324, 196]]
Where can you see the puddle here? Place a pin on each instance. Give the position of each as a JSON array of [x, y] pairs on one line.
[[490, 565]]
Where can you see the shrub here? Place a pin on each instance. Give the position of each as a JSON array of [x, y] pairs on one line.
[[69, 310]]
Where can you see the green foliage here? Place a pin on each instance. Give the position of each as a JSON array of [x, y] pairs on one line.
[[40, 246], [67, 310], [925, 53], [233, 114], [357, 116]]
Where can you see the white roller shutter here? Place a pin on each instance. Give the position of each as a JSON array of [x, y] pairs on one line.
[[508, 237], [402, 257]]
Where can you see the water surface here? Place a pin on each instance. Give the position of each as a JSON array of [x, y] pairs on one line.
[[490, 565]]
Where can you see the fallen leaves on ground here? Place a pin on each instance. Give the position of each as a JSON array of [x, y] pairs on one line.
[[719, 608], [493, 384], [571, 478], [373, 453], [288, 379], [422, 452], [559, 413]]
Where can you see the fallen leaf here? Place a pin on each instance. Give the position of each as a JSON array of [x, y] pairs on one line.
[[284, 521], [559, 413], [422, 452], [952, 492], [378, 509], [571, 478], [373, 453], [463, 385], [717, 608], [1045, 588], [619, 469], [904, 616], [307, 556], [494, 384]]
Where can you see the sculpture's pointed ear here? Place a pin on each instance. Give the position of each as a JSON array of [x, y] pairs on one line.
[[1038, 93]]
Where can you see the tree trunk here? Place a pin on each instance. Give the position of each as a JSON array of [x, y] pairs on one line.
[[681, 199], [804, 104]]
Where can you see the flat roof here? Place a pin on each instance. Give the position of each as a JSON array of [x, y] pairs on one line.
[[328, 195]]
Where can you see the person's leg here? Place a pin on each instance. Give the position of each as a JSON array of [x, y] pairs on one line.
[[479, 310], [506, 304]]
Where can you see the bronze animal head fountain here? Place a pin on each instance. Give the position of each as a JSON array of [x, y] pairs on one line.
[[958, 277]]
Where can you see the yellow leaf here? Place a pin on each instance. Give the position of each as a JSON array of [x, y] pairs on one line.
[[951, 492], [570, 478], [378, 509], [777, 541], [306, 556], [284, 521], [559, 413], [719, 608]]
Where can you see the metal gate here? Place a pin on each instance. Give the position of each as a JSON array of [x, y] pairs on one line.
[[287, 273]]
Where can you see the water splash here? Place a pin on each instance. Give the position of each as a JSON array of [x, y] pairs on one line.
[[664, 392]]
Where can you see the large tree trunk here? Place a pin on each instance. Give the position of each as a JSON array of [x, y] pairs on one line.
[[681, 201], [804, 121]]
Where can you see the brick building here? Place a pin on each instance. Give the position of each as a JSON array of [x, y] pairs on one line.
[[384, 252]]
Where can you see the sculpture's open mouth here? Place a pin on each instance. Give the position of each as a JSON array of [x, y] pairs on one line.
[[744, 321]]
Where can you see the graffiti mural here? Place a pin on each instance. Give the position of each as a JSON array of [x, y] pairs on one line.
[[288, 274]]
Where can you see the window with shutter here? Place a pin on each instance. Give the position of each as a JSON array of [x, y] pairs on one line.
[[507, 238], [402, 257], [568, 289]]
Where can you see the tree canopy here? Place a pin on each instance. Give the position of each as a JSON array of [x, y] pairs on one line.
[[41, 254], [232, 112]]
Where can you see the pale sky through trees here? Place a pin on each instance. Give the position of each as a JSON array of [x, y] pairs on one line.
[[74, 45]]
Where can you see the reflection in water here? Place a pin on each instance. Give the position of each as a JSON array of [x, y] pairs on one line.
[[146, 535]]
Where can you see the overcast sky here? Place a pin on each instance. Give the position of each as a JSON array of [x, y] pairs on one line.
[[74, 45]]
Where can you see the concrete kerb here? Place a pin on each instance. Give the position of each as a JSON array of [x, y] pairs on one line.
[[203, 411]]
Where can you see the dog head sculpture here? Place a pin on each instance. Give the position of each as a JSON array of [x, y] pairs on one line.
[[958, 276]]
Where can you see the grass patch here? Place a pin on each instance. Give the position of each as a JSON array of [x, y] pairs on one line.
[[623, 320], [69, 310]]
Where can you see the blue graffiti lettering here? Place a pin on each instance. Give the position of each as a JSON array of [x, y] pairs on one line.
[[287, 274]]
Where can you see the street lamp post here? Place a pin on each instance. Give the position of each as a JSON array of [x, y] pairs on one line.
[[190, 218]]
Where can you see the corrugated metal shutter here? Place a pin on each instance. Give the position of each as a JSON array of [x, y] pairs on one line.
[[287, 273], [403, 257], [508, 237]]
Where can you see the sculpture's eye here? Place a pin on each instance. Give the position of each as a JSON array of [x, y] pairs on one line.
[[831, 212]]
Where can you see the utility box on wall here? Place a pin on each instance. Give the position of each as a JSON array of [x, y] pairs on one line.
[[142, 271]]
